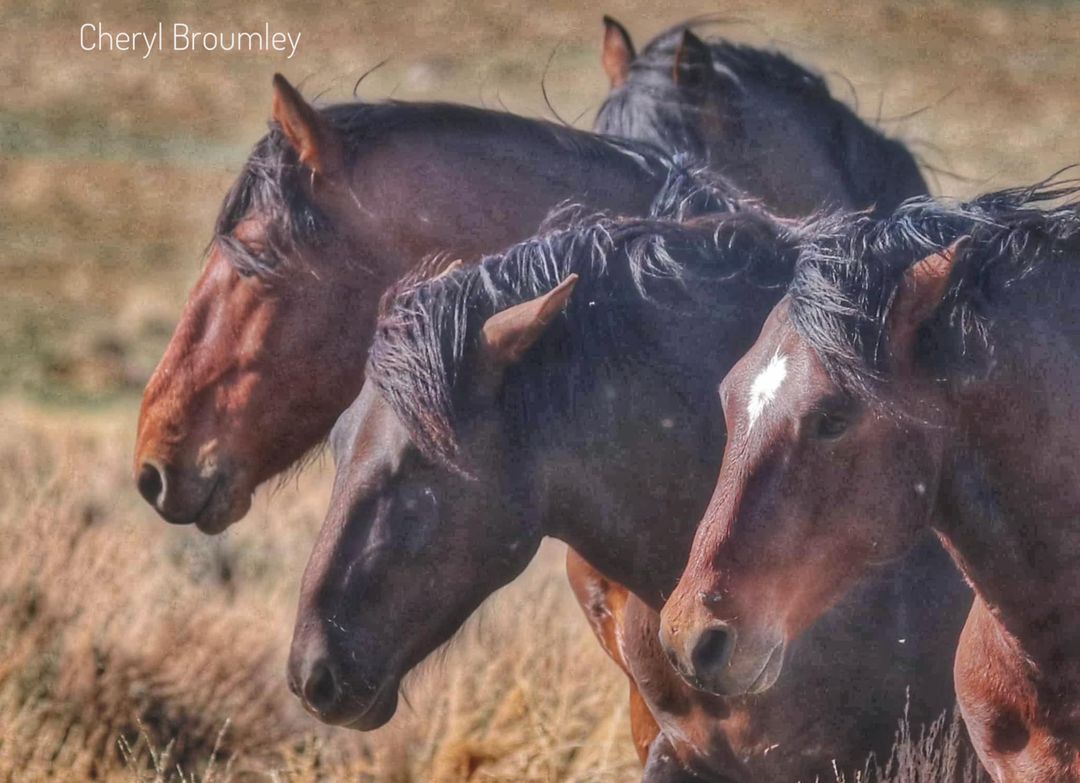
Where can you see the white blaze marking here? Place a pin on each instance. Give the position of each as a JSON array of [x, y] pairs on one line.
[[765, 387]]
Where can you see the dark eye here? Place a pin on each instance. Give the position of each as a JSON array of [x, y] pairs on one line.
[[830, 425]]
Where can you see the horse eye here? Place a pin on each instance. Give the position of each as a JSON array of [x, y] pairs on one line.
[[418, 504], [829, 426]]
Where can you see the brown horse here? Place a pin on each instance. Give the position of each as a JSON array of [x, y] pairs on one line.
[[920, 373], [332, 206], [490, 420]]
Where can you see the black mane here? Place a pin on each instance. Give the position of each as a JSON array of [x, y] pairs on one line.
[[273, 183], [849, 271], [878, 171], [632, 272]]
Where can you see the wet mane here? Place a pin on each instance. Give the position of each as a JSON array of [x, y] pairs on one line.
[[849, 271], [274, 184], [650, 106], [633, 272]]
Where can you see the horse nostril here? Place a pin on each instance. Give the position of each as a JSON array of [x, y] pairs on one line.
[[321, 690], [713, 649], [151, 484]]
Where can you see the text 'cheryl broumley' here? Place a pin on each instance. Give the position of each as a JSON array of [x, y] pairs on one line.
[[181, 37]]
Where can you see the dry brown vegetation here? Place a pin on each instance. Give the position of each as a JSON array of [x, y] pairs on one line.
[[133, 651], [129, 650]]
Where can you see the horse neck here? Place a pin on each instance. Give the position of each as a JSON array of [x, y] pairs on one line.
[[1012, 488], [785, 158], [802, 154], [628, 503], [627, 486], [467, 194]]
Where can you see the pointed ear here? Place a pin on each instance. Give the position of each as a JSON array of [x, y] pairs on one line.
[[920, 293], [618, 52], [693, 62], [507, 335], [315, 141]]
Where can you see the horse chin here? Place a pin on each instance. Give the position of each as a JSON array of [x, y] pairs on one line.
[[379, 712], [228, 504]]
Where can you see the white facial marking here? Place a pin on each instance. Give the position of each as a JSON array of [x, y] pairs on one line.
[[765, 387]]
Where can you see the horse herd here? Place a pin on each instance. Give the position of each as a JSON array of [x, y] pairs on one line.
[[735, 289]]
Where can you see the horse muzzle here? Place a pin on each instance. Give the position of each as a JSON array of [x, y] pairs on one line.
[[341, 698], [208, 499]]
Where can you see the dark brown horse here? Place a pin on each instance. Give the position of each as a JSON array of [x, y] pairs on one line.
[[735, 108], [920, 373], [332, 206], [489, 420]]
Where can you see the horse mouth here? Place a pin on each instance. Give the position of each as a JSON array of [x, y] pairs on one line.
[[380, 709], [376, 713], [770, 670], [195, 517]]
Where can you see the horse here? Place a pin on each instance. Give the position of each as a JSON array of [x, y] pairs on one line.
[[270, 347], [733, 107], [566, 388], [332, 206], [918, 374]]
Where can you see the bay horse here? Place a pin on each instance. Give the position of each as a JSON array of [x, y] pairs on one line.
[[332, 206], [920, 373], [567, 388]]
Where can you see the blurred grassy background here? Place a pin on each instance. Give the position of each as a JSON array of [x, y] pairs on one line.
[[112, 168]]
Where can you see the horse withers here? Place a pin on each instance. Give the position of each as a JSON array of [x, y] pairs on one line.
[[919, 373]]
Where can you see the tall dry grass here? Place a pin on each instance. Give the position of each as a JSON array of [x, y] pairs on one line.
[[129, 650]]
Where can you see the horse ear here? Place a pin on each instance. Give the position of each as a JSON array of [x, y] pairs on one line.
[[618, 52], [508, 334], [922, 289], [693, 62], [315, 141]]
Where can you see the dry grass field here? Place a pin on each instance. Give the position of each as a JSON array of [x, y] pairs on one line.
[[133, 651]]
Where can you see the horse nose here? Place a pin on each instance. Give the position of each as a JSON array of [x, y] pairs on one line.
[[151, 483], [321, 688], [712, 650]]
